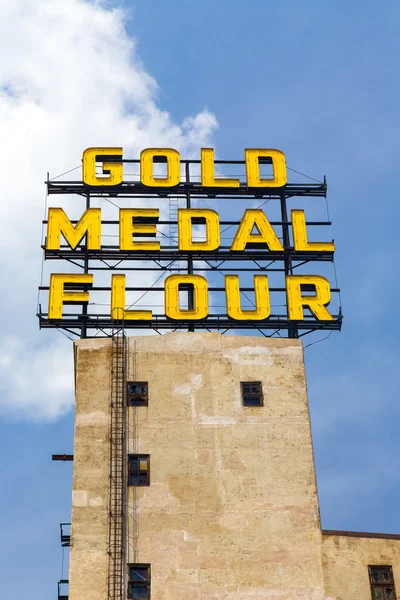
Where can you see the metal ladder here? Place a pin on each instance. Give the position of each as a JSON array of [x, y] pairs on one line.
[[173, 219], [173, 227], [116, 580]]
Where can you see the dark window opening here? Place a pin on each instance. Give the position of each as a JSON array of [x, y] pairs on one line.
[[139, 469], [139, 581], [138, 393], [252, 394], [381, 582]]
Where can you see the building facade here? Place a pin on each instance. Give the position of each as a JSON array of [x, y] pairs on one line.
[[219, 491]]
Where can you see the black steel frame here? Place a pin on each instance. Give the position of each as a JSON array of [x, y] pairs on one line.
[[81, 322]]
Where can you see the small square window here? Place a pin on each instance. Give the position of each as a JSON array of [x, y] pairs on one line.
[[381, 582], [139, 581], [138, 393], [139, 469], [252, 394]]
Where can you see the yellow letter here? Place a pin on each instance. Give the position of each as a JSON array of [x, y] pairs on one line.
[[207, 172], [253, 168], [118, 311], [138, 222], [316, 304], [200, 294], [114, 170], [187, 217], [173, 167], [262, 309], [58, 295], [255, 218], [300, 240], [89, 224]]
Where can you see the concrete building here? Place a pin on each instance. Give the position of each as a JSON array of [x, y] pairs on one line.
[[220, 481]]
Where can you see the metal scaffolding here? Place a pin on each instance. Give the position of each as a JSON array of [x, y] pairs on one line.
[[88, 317]]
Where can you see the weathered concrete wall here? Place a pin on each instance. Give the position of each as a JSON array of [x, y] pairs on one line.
[[346, 560], [232, 510]]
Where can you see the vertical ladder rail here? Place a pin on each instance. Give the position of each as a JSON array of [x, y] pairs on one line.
[[173, 225], [116, 581], [173, 220]]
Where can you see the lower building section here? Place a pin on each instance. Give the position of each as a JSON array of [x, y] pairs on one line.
[[219, 479], [363, 566]]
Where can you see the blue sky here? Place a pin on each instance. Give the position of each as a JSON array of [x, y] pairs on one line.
[[318, 80]]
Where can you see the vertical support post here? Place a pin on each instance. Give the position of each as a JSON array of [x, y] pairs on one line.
[[189, 259], [85, 270], [292, 330]]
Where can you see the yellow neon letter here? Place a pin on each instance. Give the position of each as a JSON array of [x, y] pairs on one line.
[[129, 230], [262, 308], [300, 240], [255, 218], [187, 217], [114, 170], [173, 167], [118, 310], [200, 297], [207, 172], [296, 301], [253, 168], [89, 224], [58, 295]]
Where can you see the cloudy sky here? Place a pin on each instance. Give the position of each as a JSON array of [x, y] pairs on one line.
[[318, 80]]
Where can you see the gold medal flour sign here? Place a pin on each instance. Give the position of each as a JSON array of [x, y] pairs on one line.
[[307, 295]]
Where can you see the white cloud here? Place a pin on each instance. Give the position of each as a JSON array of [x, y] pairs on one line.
[[71, 79], [37, 380]]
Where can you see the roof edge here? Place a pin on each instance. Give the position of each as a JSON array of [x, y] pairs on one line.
[[361, 534]]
